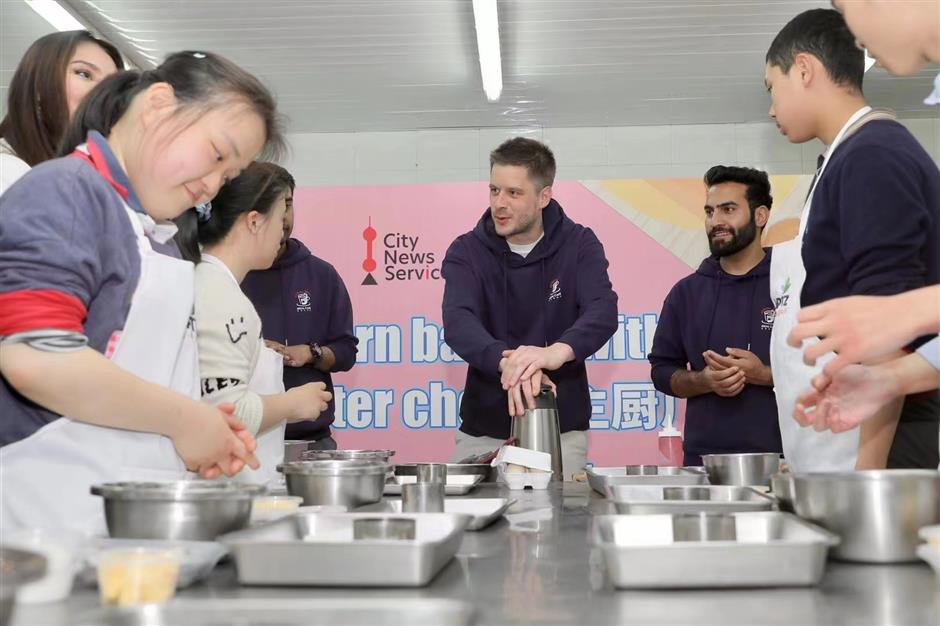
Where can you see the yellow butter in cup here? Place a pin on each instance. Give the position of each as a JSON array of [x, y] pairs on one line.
[[138, 576]]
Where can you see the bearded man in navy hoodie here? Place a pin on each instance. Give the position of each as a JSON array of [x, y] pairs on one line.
[[306, 316], [712, 343], [526, 299]]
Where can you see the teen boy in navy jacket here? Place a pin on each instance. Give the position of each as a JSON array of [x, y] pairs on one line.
[[873, 224], [526, 293], [712, 343]]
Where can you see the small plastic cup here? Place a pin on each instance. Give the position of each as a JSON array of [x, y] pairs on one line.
[[269, 508], [137, 576]]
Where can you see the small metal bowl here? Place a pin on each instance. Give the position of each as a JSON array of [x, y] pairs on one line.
[[745, 470], [348, 483], [196, 510], [704, 527], [642, 470], [388, 528]]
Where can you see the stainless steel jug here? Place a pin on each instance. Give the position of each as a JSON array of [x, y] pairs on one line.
[[539, 429]]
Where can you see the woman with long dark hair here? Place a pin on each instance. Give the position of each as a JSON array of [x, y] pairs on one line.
[[52, 79]]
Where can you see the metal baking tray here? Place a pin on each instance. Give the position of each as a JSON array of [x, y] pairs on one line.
[[644, 499], [289, 612], [482, 511], [772, 549], [602, 479], [318, 549], [487, 471], [457, 485]]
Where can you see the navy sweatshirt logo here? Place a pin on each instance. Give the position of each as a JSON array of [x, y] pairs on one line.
[[303, 301], [554, 290]]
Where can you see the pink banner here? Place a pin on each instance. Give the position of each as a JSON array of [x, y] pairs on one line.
[[388, 242]]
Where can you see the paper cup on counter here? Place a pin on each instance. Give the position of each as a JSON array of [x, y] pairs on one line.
[[61, 550], [137, 576]]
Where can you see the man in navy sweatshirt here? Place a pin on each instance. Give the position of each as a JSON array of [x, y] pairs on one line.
[[306, 315], [712, 343], [871, 226], [526, 294]]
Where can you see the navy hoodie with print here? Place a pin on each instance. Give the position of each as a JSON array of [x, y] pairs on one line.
[[714, 310], [496, 300], [302, 299]]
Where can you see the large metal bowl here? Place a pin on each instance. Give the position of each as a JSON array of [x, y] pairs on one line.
[[877, 513], [347, 455], [195, 510], [17, 568], [346, 483], [745, 470]]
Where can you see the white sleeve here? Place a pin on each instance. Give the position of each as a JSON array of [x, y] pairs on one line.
[[11, 169], [931, 352], [228, 332]]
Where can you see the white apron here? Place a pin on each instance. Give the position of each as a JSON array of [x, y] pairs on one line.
[[267, 379], [805, 449], [47, 476]]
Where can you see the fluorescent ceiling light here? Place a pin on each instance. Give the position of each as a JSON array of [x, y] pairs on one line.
[[869, 62], [491, 70], [52, 12]]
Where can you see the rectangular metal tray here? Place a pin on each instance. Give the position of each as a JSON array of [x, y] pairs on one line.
[[772, 549], [288, 612], [482, 511], [457, 485], [601, 479], [318, 549], [634, 499], [487, 471]]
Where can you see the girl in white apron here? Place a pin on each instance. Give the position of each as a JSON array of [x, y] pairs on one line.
[[241, 230], [98, 352]]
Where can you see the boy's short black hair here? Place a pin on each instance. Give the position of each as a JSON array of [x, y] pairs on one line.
[[758, 184], [824, 34]]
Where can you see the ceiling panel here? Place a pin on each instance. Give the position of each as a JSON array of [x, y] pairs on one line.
[[356, 65]]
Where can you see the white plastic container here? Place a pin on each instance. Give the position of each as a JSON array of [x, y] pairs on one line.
[[61, 549], [520, 468], [535, 479], [522, 456], [268, 508]]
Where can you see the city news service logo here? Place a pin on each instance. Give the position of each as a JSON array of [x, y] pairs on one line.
[[768, 316], [403, 257], [554, 292], [303, 301]]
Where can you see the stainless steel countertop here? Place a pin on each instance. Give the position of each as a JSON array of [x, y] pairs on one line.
[[539, 572]]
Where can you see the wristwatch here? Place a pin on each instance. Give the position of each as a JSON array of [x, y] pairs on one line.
[[317, 351]]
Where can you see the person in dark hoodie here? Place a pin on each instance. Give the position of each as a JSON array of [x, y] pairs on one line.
[[526, 293], [306, 315], [712, 344]]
